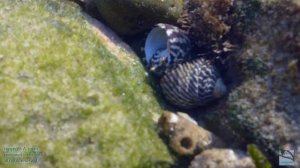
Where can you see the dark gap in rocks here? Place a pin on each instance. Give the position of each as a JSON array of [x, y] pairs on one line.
[[81, 3], [89, 7]]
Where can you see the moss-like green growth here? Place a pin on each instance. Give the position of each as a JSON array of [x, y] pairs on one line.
[[63, 92], [258, 158]]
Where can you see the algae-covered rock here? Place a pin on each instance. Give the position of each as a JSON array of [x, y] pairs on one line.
[[133, 16], [68, 91]]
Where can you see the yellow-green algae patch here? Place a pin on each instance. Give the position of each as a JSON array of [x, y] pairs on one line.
[[63, 92]]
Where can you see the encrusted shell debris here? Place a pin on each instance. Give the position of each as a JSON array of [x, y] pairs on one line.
[[206, 22], [184, 137], [210, 26]]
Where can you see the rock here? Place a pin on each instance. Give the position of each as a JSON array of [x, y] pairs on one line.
[[184, 136], [263, 105], [134, 16], [71, 89], [222, 158]]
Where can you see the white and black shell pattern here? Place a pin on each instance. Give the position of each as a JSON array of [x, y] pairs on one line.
[[166, 46], [185, 81], [193, 83]]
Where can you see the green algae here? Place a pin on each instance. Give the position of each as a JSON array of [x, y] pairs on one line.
[[65, 93], [258, 158]]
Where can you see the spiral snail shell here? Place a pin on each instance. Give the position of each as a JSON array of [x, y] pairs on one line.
[[191, 84], [165, 46], [185, 81]]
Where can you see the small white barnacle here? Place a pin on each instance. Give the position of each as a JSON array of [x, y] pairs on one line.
[[173, 118]]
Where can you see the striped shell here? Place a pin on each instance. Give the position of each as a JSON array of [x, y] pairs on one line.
[[166, 46], [191, 84]]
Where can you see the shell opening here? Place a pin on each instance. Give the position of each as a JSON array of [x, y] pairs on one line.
[[156, 40], [220, 88]]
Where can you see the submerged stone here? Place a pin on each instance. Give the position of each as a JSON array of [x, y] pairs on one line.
[[184, 136], [73, 91], [222, 158]]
